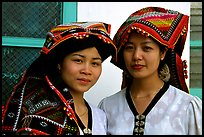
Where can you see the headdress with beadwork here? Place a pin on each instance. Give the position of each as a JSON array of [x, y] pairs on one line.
[[167, 27], [72, 37]]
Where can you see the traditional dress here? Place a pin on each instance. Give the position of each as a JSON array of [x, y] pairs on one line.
[[171, 112], [37, 109], [41, 103]]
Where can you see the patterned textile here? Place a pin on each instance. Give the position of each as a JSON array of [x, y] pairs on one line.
[[78, 30], [166, 26], [34, 109], [40, 103]]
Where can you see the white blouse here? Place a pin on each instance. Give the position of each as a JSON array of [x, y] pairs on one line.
[[99, 121], [172, 112]]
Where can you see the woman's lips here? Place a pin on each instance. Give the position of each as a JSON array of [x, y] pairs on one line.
[[137, 67], [84, 81]]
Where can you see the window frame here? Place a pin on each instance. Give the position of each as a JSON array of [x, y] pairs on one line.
[[196, 44], [69, 14]]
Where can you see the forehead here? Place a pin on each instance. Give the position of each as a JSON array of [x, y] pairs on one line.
[[90, 52], [138, 36]]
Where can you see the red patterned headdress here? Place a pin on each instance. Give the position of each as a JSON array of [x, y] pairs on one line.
[[78, 31], [167, 27], [72, 37]]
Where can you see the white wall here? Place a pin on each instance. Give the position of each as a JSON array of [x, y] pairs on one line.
[[115, 13]]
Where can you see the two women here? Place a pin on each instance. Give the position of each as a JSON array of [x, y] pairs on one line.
[[154, 98]]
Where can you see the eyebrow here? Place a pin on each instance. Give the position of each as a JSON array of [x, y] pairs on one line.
[[145, 42], [96, 58]]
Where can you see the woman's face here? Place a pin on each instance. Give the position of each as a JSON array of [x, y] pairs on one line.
[[142, 56], [80, 70]]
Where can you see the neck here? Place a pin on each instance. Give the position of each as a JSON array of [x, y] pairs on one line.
[[145, 87], [79, 103], [77, 97]]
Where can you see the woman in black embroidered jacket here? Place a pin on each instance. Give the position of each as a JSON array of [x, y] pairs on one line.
[[48, 100]]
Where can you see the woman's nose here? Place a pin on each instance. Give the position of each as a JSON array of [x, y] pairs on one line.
[[86, 69], [137, 54]]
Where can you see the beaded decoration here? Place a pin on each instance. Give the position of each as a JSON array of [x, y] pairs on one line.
[[77, 30], [167, 27]]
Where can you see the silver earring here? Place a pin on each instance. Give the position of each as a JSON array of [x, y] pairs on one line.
[[164, 73]]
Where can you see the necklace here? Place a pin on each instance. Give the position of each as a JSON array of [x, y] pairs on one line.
[[153, 93], [86, 130]]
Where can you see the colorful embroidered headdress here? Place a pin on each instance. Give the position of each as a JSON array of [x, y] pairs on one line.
[[167, 27], [68, 38], [78, 31]]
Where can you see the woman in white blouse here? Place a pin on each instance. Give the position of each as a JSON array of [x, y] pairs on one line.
[[154, 99]]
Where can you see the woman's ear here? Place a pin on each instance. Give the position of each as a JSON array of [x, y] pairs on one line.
[[163, 53]]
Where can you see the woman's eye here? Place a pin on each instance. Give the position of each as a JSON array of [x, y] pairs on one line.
[[147, 48], [128, 47], [78, 60], [96, 64]]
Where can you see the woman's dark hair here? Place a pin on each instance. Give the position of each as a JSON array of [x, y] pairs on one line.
[[162, 62]]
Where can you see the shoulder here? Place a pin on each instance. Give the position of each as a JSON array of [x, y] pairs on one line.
[[191, 106], [23, 89], [33, 84], [113, 100], [179, 92], [34, 81], [97, 112], [95, 108], [117, 96], [183, 97]]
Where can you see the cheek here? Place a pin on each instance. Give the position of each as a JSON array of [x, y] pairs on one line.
[[127, 58], [154, 61], [68, 70], [97, 72]]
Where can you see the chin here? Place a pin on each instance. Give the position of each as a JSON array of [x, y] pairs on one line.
[[82, 90]]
